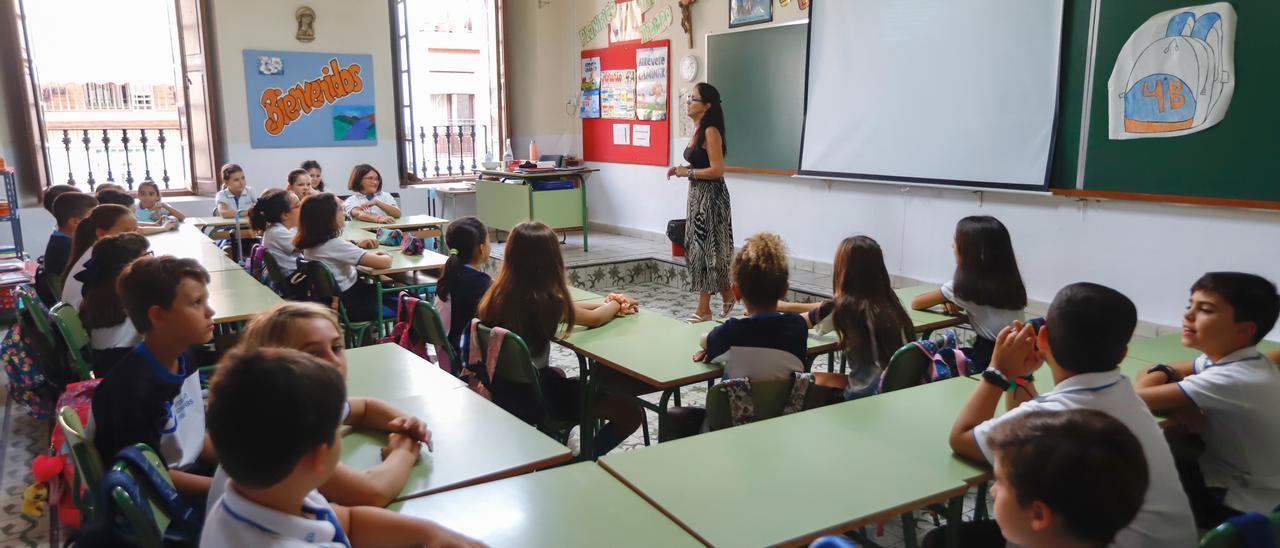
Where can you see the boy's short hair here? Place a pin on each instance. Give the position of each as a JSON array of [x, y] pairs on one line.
[[72, 205], [153, 281], [51, 195], [1090, 326], [1252, 297], [760, 270], [268, 407], [110, 196], [1083, 464]]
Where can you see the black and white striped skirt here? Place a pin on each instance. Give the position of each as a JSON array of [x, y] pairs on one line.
[[708, 237]]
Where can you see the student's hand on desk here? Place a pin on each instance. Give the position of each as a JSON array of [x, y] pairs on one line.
[[951, 308], [414, 428], [400, 442], [367, 244], [1015, 352], [626, 305], [700, 356]]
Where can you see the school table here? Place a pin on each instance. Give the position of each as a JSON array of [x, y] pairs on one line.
[[428, 261], [188, 243], [579, 505], [1168, 348], [504, 203], [926, 321], [583, 295], [235, 296], [475, 441], [406, 222], [218, 221], [749, 485], [447, 194], [388, 371]]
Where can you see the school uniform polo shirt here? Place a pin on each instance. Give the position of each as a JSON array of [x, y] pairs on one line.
[[760, 347], [360, 200], [1165, 517], [987, 321], [341, 257], [1240, 397], [242, 202], [57, 252], [237, 522], [278, 239], [73, 289], [142, 402]]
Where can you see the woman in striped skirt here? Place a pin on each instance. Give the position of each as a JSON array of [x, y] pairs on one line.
[[708, 239]]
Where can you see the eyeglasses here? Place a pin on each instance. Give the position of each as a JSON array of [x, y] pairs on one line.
[[693, 99]]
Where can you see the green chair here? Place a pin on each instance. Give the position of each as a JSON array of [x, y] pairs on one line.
[[276, 275], [148, 527], [1228, 536], [75, 339], [769, 398], [426, 322], [30, 301], [907, 366], [84, 456], [324, 290], [515, 368]]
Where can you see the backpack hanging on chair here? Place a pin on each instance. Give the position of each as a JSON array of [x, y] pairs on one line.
[[402, 331], [945, 359]]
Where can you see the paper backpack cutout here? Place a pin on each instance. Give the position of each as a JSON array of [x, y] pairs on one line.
[[1175, 74]]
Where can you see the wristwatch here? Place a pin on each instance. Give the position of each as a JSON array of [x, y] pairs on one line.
[[688, 172], [995, 377], [1170, 374]]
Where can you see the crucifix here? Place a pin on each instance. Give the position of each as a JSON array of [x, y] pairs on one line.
[[686, 19]]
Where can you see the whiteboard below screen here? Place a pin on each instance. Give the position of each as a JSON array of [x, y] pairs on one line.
[[938, 92]]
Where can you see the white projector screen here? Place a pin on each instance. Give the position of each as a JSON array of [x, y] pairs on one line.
[[953, 92]]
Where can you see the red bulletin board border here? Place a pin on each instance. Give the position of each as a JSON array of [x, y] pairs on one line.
[[597, 133]]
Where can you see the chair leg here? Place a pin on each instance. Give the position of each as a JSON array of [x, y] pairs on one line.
[[677, 396], [980, 503], [909, 529], [644, 427]]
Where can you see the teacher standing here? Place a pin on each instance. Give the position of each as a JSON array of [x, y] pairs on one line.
[[708, 236]]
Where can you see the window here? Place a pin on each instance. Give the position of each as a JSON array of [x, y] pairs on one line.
[[450, 87]]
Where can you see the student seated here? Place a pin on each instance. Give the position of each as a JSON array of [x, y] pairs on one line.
[[299, 183], [107, 194], [1084, 338], [368, 202], [865, 313], [317, 180], [987, 284], [57, 253], [51, 194], [1230, 396], [153, 395], [767, 344], [275, 217], [462, 284], [1062, 478], [276, 465], [530, 298], [111, 334], [320, 222], [313, 329], [236, 195], [104, 220], [151, 207]]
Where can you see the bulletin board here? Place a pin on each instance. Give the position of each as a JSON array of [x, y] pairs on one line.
[[598, 133]]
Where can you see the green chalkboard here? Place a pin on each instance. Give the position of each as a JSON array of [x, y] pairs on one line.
[[760, 75], [1234, 160]]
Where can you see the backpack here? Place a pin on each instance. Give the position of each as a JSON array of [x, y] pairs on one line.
[[30, 382], [143, 477], [402, 330], [1180, 82], [78, 396], [412, 245], [258, 265], [946, 360]]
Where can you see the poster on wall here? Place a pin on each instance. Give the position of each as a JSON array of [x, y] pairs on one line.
[[1175, 75], [625, 25], [299, 99], [618, 94], [651, 83], [589, 104]]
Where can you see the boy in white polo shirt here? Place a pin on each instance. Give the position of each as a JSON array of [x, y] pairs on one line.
[[1085, 336], [276, 465], [1235, 387]]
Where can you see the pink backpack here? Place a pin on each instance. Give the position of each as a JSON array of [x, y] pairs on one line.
[[479, 374], [402, 330]]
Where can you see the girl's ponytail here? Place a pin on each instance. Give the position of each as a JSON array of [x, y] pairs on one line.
[[463, 238]]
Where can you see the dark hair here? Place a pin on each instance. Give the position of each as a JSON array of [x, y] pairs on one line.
[[302, 395], [464, 238], [310, 164], [103, 187], [986, 269], [713, 117], [102, 217], [51, 195], [1252, 297], [530, 295], [75, 206], [102, 306], [865, 304], [151, 184], [357, 177], [273, 204], [154, 281], [317, 221], [760, 270], [1085, 465], [293, 175], [1089, 327], [117, 197], [228, 170]]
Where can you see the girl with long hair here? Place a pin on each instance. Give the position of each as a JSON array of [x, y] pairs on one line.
[[320, 224], [111, 333], [275, 217], [462, 284], [299, 183], [105, 220], [368, 202]]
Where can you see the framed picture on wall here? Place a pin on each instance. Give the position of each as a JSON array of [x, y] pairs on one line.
[[749, 12]]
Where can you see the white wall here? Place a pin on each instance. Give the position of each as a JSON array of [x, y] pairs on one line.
[[342, 26], [1151, 252]]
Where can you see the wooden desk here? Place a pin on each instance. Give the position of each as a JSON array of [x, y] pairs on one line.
[[579, 505], [188, 243], [475, 441], [218, 222], [387, 371], [503, 205], [449, 190], [406, 222], [748, 485], [926, 321], [235, 296], [584, 295], [428, 261]]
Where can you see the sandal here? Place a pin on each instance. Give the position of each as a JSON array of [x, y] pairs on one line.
[[727, 309], [696, 318]]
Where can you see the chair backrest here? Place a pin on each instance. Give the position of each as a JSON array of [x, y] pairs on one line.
[[30, 301], [75, 339], [906, 368], [324, 288], [85, 458], [1228, 535], [426, 322], [515, 369], [769, 397], [273, 271], [146, 526]]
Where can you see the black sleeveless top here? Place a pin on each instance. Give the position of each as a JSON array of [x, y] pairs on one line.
[[697, 157]]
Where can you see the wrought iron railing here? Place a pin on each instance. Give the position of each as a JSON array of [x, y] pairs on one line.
[[125, 156], [451, 150]]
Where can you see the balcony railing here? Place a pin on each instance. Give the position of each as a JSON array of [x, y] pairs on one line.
[[450, 150], [125, 156]]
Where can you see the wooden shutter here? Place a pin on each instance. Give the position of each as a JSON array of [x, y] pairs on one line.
[[198, 105]]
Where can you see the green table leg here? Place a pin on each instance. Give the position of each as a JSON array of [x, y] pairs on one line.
[[909, 529], [583, 184], [955, 515], [587, 418]]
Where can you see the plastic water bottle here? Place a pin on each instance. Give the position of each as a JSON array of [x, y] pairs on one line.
[[507, 156]]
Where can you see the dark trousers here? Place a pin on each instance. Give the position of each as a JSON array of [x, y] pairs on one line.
[[1207, 503]]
